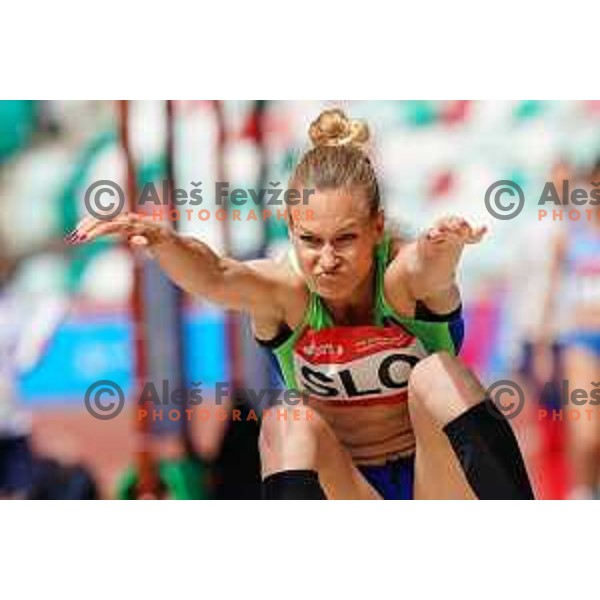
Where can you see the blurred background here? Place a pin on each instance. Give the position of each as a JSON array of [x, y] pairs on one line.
[[66, 313]]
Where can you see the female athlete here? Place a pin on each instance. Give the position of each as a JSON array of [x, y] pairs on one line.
[[575, 282], [368, 326]]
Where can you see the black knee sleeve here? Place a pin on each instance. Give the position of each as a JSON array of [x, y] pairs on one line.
[[293, 485], [489, 454]]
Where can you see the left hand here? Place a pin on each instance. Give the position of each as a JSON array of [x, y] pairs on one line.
[[454, 230]]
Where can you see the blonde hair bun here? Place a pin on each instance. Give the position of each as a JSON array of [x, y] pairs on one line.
[[333, 128]]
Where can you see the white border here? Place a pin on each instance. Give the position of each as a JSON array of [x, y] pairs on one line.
[[360, 550], [227, 50]]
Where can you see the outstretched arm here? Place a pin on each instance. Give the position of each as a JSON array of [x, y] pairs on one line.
[[428, 265], [192, 264]]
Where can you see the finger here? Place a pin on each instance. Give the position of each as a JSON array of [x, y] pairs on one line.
[[133, 228], [446, 237], [459, 225], [92, 229], [477, 236], [106, 228], [438, 232], [451, 225], [81, 225], [83, 229], [432, 233], [452, 222]]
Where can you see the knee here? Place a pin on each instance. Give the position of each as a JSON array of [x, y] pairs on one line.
[[420, 377], [431, 375], [443, 387]]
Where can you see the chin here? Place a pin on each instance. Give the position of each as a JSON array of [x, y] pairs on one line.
[[334, 290]]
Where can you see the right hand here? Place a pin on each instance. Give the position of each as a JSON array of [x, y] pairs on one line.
[[137, 230]]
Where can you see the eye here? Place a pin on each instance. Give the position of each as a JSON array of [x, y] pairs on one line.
[[347, 237], [309, 239]]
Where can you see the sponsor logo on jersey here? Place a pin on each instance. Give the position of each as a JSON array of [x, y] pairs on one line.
[[357, 366]]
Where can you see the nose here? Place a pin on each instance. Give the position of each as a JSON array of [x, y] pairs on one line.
[[328, 259]]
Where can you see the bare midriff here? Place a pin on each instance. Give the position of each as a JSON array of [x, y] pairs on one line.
[[372, 434]]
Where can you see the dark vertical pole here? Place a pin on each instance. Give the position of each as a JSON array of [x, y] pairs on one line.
[[231, 323], [259, 112], [178, 294], [148, 486], [238, 463]]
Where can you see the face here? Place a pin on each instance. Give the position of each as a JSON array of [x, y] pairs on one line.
[[335, 247]]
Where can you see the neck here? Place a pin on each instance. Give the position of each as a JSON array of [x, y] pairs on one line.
[[358, 309]]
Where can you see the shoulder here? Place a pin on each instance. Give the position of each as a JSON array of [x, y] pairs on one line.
[[290, 292], [400, 245], [396, 245], [278, 270]]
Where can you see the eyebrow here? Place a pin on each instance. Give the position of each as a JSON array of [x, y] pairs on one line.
[[346, 226]]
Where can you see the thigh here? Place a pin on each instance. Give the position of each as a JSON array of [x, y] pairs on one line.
[[339, 476], [310, 443]]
